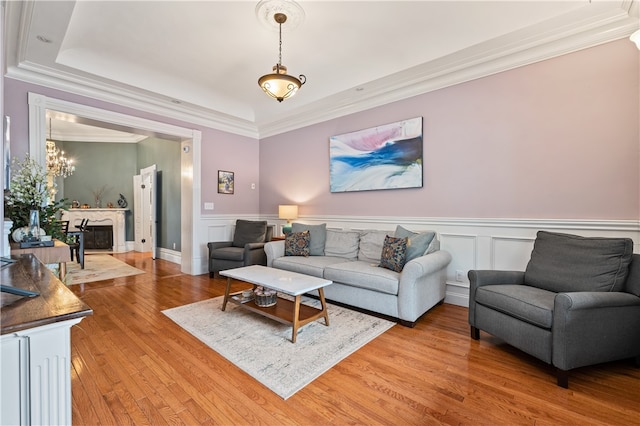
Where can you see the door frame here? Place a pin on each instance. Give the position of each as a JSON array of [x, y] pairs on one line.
[[190, 142]]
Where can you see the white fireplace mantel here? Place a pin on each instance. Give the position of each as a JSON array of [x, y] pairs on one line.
[[97, 217]]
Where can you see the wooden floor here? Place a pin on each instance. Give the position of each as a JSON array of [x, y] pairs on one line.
[[132, 365]]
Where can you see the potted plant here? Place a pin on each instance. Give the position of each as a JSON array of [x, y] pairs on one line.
[[30, 191]]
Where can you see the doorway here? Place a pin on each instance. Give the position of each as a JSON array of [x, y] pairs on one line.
[[189, 139]]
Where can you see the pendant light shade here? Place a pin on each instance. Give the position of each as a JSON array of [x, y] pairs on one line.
[[280, 85]]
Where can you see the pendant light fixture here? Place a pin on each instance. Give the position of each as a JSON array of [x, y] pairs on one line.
[[279, 85]]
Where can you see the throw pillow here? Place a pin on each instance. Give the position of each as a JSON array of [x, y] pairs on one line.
[[394, 253], [317, 235], [249, 231], [417, 243], [567, 263], [297, 244]]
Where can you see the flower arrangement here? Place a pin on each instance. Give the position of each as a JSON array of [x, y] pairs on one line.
[[29, 191], [98, 194]]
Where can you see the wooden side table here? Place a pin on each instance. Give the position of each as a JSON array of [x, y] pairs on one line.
[[59, 254]]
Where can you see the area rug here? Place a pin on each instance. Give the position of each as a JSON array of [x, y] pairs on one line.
[[98, 267], [262, 347]]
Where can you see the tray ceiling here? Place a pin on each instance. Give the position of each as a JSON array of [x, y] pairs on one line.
[[200, 61]]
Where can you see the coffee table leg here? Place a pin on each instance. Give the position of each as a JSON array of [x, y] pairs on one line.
[[226, 293], [324, 306], [63, 270], [296, 318]]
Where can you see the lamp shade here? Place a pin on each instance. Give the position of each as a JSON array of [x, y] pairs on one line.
[[287, 211]]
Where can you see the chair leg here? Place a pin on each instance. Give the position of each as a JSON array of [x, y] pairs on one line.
[[211, 274], [563, 378], [475, 333]]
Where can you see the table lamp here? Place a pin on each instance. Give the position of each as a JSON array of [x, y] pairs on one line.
[[288, 212]]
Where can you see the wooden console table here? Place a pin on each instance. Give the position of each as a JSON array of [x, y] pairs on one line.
[[35, 345], [59, 254]]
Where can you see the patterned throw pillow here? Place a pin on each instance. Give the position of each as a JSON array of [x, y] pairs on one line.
[[394, 252], [297, 244]]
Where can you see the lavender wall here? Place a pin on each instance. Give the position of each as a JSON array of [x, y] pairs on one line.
[[554, 140], [220, 150]]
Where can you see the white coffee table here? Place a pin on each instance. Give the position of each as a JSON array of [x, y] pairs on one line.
[[285, 311]]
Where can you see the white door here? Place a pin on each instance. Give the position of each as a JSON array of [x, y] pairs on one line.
[[144, 202], [138, 235]]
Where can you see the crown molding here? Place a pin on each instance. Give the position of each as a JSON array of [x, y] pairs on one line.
[[565, 34]]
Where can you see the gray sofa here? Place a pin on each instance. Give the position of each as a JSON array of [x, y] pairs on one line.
[[350, 259], [576, 304]]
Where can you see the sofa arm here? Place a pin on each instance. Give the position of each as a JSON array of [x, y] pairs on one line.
[[594, 327], [422, 284], [254, 254], [253, 246], [274, 250]]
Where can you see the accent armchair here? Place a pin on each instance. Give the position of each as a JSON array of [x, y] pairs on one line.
[[247, 247], [576, 304]]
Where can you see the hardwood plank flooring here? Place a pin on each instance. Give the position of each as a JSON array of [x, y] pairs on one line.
[[133, 365]]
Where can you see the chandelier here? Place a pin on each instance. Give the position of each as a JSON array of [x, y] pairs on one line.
[[57, 163], [279, 85]]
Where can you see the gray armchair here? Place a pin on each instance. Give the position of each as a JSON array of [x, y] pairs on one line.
[[247, 247], [576, 304]]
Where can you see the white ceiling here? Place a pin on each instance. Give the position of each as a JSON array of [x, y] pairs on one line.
[[200, 60]]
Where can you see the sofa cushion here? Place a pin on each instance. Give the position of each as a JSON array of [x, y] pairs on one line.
[[229, 253], [567, 263], [318, 236], [371, 242], [249, 231], [364, 275], [394, 253], [312, 265], [296, 244], [342, 244], [418, 242], [530, 304]]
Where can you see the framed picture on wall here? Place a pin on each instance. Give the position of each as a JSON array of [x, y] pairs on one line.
[[225, 182], [384, 157]]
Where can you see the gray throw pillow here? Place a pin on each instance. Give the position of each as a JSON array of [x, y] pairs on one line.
[[568, 263], [317, 234], [249, 231], [417, 242]]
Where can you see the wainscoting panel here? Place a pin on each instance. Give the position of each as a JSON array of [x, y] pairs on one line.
[[473, 243], [465, 247], [510, 252]]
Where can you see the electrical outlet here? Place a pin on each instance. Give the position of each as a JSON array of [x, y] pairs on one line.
[[459, 275], [174, 246], [208, 206], [253, 186]]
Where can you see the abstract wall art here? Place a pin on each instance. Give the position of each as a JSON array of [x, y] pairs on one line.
[[383, 157]]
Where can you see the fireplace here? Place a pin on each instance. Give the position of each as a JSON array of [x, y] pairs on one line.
[[100, 220], [98, 237]]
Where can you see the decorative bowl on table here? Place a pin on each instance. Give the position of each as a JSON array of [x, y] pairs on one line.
[[265, 297]]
